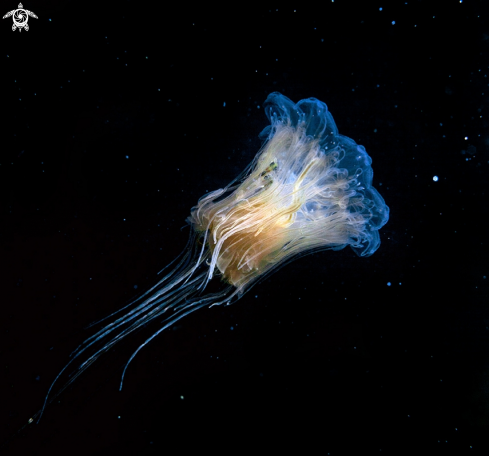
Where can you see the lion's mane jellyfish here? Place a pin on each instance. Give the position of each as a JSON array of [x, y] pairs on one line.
[[308, 188]]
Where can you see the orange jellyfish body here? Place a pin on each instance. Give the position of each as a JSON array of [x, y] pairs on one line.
[[308, 188]]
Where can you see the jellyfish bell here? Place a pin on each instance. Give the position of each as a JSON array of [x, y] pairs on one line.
[[308, 188]]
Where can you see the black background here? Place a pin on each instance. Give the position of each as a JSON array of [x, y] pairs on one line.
[[117, 117]]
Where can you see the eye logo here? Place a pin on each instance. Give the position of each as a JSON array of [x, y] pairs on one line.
[[20, 17]]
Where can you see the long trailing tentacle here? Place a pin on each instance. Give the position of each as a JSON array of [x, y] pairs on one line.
[[176, 295]]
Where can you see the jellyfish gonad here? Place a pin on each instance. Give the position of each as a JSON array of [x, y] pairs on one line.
[[308, 188]]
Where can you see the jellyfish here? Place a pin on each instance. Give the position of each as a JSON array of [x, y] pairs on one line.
[[307, 189]]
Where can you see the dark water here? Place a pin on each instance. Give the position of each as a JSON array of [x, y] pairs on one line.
[[118, 117]]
